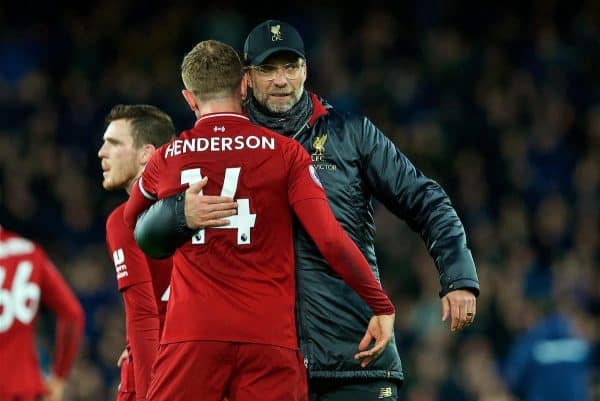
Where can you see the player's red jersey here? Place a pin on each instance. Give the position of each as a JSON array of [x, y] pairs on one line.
[[144, 284], [236, 283], [28, 277]]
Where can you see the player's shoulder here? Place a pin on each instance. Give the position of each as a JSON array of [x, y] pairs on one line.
[[13, 244], [185, 134], [116, 217], [162, 149]]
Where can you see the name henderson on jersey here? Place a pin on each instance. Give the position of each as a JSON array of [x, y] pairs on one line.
[[218, 144]]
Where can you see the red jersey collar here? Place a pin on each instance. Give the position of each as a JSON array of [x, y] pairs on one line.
[[209, 116]]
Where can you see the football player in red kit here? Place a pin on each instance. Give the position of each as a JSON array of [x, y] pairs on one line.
[[230, 327], [28, 278], [132, 134]]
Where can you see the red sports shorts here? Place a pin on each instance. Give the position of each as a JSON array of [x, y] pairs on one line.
[[215, 370]]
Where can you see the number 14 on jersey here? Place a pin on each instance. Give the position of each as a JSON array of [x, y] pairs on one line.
[[243, 221]]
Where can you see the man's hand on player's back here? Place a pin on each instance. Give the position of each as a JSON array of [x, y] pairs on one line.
[[203, 211]]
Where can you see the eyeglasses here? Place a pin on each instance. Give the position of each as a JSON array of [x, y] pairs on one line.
[[270, 71]]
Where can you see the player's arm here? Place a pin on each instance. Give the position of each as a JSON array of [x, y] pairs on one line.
[[139, 200], [144, 191], [161, 229], [308, 200], [341, 253], [134, 279], [144, 194], [142, 325], [344, 257], [172, 221], [58, 298]]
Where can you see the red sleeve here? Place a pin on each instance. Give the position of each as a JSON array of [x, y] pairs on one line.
[[131, 265], [142, 325], [341, 253], [144, 191], [136, 204], [59, 298]]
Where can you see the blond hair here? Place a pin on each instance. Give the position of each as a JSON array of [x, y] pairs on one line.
[[212, 70]]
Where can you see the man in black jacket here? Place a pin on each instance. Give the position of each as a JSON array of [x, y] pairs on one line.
[[355, 162]]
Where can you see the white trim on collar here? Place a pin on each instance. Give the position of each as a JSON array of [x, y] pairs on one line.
[[223, 115]]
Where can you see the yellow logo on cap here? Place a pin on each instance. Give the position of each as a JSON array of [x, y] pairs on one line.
[[276, 33]]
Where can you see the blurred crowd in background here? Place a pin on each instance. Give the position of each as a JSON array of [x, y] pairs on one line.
[[499, 103]]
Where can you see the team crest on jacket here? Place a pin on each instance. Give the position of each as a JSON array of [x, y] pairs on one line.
[[319, 145], [318, 156]]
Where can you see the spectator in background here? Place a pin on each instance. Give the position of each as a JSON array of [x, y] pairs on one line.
[[28, 278], [132, 135], [550, 361], [356, 162]]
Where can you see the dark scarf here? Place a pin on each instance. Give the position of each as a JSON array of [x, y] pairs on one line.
[[287, 123]]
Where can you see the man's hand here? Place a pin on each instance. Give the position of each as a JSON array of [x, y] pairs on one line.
[[123, 357], [461, 306], [203, 211], [56, 389], [380, 329]]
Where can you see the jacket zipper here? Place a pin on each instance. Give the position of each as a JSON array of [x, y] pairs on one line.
[[301, 129]]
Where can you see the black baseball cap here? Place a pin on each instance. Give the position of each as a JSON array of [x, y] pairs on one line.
[[270, 37]]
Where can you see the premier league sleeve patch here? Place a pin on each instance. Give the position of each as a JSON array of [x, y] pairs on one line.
[[314, 175]]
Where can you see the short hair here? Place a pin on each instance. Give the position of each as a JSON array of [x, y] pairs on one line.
[[149, 124], [212, 70]]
